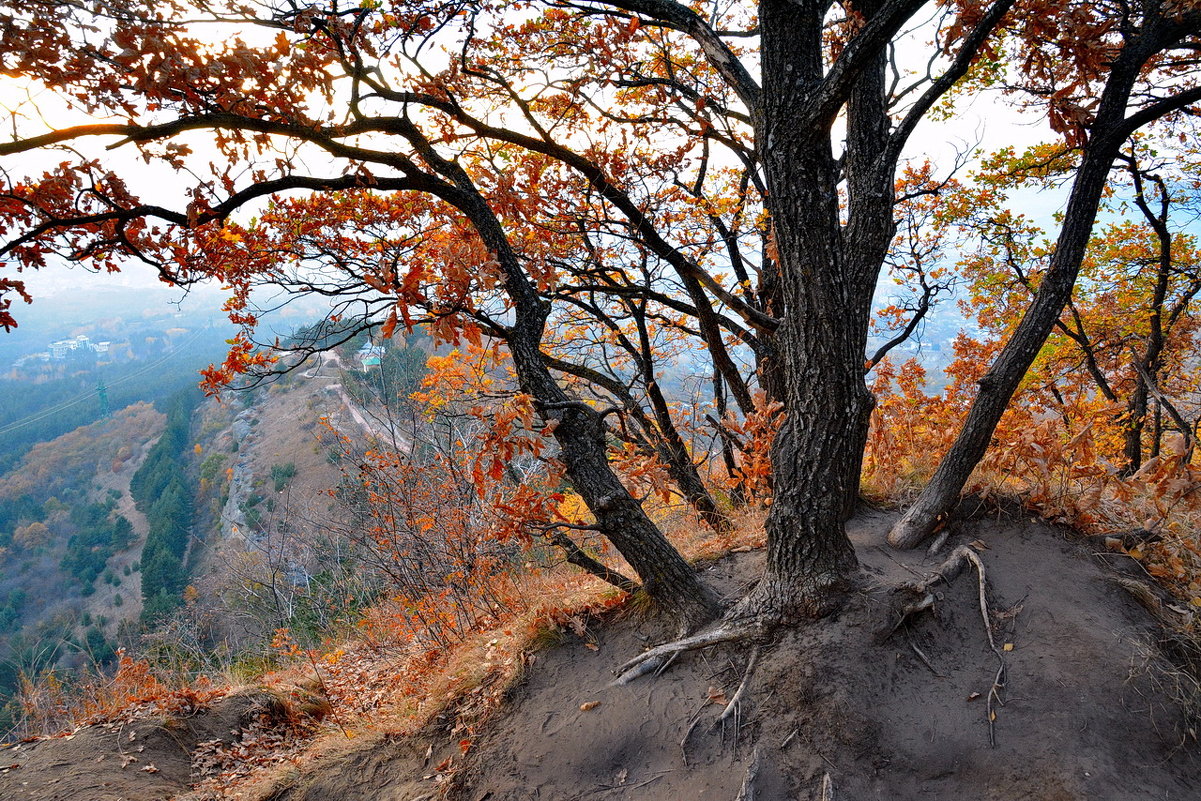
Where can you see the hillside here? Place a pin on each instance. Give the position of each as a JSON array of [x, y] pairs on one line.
[[159, 529], [71, 538], [1089, 707]]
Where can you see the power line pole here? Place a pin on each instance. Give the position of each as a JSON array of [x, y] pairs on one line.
[[102, 391]]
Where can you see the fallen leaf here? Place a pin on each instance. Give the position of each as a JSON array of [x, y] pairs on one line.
[[979, 545], [717, 696], [591, 646], [150, 768], [443, 765], [622, 775], [589, 705], [126, 759], [973, 696], [1007, 646]]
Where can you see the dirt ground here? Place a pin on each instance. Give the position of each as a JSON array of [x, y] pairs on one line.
[[144, 760], [1086, 715], [834, 699]]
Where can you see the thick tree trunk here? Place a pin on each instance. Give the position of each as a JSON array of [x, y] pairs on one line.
[[827, 273]]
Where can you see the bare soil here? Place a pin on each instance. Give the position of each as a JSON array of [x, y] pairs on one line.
[[141, 760], [1086, 715], [837, 698]]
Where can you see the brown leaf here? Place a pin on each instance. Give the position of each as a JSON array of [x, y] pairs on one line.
[[389, 326]]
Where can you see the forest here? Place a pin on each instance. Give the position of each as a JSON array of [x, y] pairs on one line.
[[654, 265]]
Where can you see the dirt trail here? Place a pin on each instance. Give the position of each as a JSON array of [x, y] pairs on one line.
[[833, 699], [142, 760], [1082, 718]]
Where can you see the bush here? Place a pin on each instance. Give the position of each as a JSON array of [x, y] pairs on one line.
[[281, 474]]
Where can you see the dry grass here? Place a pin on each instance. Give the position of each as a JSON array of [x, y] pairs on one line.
[[381, 687], [1166, 672]]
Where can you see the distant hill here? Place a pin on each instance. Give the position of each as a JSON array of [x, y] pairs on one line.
[[69, 542]]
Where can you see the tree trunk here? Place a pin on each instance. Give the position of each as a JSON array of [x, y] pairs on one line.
[[827, 273], [1002, 380], [659, 437], [579, 430], [666, 577], [1136, 414], [1156, 431], [737, 493]]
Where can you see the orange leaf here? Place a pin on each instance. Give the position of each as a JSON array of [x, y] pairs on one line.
[[389, 325]]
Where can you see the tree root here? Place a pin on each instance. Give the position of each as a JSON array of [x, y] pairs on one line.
[[923, 594], [741, 691], [658, 657], [827, 789], [748, 791]]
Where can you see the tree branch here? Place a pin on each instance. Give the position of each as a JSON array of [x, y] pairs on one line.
[[717, 53]]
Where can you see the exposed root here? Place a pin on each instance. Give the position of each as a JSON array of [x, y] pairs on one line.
[[652, 665], [922, 591], [925, 659], [741, 691], [939, 542], [827, 791], [748, 791], [791, 736], [910, 608], [657, 657]]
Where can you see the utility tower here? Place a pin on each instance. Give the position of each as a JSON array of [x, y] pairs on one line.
[[102, 392]]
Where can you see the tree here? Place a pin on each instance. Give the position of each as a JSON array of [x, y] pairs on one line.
[[1128, 330], [525, 154]]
